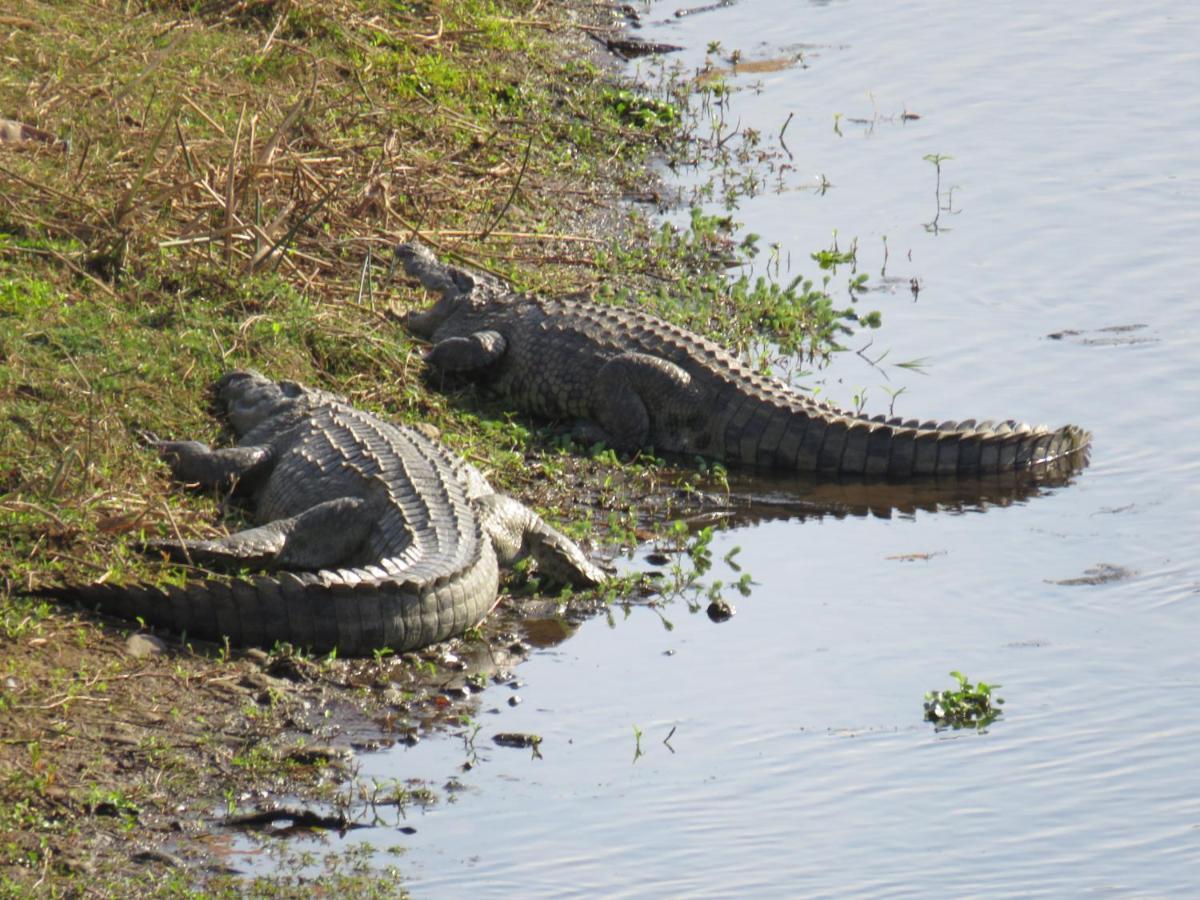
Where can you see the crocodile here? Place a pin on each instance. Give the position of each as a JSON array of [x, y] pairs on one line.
[[632, 380], [372, 534]]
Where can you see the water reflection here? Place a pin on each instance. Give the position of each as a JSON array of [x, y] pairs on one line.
[[755, 497]]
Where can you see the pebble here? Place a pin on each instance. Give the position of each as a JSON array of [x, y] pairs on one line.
[[721, 610], [142, 645]]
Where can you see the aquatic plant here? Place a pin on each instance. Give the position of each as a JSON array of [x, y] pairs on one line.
[[968, 706]]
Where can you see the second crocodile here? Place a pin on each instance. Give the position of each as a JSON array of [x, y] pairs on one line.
[[374, 536], [637, 381]]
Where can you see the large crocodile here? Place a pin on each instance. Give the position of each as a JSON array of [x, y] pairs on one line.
[[637, 381], [375, 535]]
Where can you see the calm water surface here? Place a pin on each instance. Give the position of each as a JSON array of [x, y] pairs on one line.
[[799, 763]]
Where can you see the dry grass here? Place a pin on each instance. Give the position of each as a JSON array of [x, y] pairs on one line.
[[241, 139], [235, 176]]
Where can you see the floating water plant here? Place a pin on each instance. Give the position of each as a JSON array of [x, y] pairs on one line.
[[967, 706]]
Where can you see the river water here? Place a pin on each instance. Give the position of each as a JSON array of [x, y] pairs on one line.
[[1058, 286]]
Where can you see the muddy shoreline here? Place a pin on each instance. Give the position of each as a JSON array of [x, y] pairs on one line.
[[133, 761]]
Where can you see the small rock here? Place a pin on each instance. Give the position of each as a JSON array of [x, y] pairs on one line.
[[514, 700], [721, 610], [516, 739], [142, 645]]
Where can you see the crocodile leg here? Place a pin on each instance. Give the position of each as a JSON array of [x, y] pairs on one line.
[[322, 536], [195, 463], [462, 354], [516, 531], [619, 398]]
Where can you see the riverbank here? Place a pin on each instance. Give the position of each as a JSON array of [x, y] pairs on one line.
[[234, 180], [191, 188]]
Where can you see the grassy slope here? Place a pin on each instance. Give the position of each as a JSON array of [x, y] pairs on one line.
[[136, 268]]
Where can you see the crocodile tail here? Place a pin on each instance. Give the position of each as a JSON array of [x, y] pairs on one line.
[[314, 611], [904, 448], [816, 437], [246, 612]]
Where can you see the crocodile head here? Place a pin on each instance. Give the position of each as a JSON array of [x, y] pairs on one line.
[[460, 290], [248, 398]]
